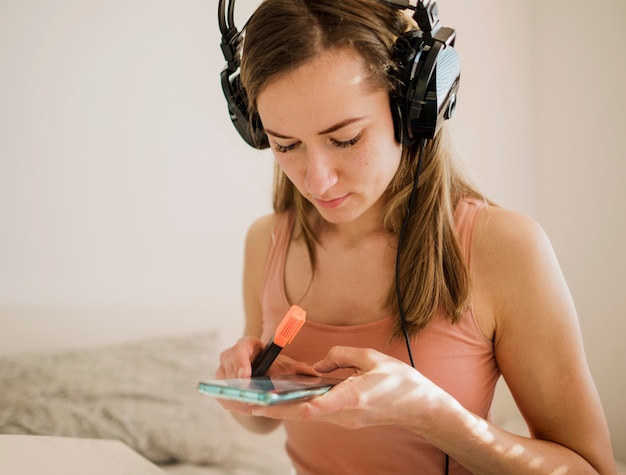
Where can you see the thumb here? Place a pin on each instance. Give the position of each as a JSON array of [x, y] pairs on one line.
[[340, 357]]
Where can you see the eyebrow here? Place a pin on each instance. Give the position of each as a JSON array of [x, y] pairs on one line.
[[329, 130]]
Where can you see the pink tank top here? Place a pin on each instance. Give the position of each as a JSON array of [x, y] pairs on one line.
[[456, 357]]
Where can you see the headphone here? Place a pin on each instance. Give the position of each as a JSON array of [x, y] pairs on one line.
[[428, 76]]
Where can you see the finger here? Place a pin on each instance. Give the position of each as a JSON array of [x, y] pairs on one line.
[[286, 365], [305, 369], [298, 411], [235, 361], [229, 364], [340, 357]]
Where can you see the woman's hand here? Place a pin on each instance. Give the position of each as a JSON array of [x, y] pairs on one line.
[[235, 362], [383, 391]]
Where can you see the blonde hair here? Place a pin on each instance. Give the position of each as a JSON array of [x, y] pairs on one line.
[[283, 35]]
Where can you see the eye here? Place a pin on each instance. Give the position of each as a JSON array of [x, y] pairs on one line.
[[347, 143], [284, 148]]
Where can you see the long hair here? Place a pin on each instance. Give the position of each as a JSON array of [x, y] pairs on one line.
[[281, 36]]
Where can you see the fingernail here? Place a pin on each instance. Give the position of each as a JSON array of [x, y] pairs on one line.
[[240, 372]]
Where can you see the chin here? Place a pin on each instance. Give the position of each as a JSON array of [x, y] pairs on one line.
[[341, 215]]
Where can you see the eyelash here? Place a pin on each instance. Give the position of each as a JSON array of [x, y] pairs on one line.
[[348, 143], [284, 148]]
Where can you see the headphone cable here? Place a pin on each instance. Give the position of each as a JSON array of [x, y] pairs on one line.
[[412, 199]]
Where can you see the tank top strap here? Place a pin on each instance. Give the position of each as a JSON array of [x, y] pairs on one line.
[[465, 216]]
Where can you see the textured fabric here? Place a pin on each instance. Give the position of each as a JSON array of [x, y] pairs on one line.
[[141, 392], [456, 357]]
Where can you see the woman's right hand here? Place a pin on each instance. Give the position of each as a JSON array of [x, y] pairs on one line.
[[235, 362]]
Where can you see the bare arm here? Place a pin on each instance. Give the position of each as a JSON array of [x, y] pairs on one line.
[[235, 362], [539, 350]]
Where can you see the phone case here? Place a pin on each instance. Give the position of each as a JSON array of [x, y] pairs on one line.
[[265, 390]]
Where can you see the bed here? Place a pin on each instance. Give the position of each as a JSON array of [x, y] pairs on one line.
[[142, 393]]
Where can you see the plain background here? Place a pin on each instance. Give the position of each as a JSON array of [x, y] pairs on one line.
[[125, 192]]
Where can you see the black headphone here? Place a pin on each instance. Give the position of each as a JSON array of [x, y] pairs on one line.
[[249, 128], [428, 76]]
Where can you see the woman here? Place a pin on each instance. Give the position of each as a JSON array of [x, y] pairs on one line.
[[480, 289]]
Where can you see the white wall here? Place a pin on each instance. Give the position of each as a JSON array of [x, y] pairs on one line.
[[579, 126], [125, 192], [123, 186], [493, 121]]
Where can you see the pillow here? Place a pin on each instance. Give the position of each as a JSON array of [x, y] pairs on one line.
[[140, 392]]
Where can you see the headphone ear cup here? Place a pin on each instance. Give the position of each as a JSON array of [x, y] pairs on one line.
[[396, 115], [406, 48], [248, 125], [428, 80]]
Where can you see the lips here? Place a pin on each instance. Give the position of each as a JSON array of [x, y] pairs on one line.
[[330, 204]]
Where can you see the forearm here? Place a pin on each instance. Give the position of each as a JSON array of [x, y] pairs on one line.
[[484, 448]]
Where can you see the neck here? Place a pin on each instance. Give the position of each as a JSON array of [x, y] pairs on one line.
[[354, 233]]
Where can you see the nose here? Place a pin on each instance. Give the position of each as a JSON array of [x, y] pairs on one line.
[[321, 174]]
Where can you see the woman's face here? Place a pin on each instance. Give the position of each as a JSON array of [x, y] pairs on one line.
[[332, 134]]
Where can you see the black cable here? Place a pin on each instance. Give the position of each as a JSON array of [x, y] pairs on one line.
[[412, 199]]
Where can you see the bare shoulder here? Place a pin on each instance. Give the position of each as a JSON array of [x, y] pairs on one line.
[[505, 233], [262, 227], [513, 262], [509, 245], [258, 240]]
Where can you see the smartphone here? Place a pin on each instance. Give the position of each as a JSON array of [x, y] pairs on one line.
[[266, 391]]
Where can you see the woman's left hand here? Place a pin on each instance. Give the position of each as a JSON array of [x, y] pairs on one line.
[[383, 391]]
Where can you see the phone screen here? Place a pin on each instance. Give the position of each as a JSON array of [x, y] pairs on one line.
[[264, 390]]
